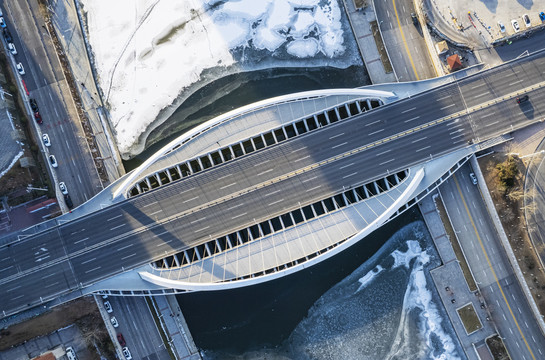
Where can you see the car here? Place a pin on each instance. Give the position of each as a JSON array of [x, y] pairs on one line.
[[414, 18], [515, 25], [7, 35], [473, 178], [38, 118], [542, 16], [121, 339], [33, 105], [20, 68], [53, 161], [502, 27], [12, 49], [527, 21], [2, 22], [68, 201], [114, 322], [70, 353], [522, 99], [63, 188], [127, 353], [108, 307], [46, 140]]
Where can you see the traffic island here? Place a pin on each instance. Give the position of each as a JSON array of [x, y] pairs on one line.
[[469, 318]]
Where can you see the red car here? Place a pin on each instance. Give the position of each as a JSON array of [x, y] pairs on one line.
[[38, 118], [121, 339]]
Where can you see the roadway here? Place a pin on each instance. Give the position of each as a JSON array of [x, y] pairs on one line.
[[269, 182], [138, 327], [491, 269], [46, 83], [407, 49]]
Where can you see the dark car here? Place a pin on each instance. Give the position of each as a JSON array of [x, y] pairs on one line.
[[415, 19], [121, 339], [522, 99], [542, 16], [70, 205], [7, 36], [33, 105]]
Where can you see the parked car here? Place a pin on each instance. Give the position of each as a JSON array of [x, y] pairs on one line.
[[12, 49], [70, 353], [20, 68], [63, 188], [414, 18], [7, 35], [121, 339], [114, 322], [2, 22], [127, 353], [53, 161], [502, 27], [515, 25], [542, 16], [33, 105], [473, 178], [46, 140], [522, 99], [68, 201], [527, 21], [38, 118], [108, 307]]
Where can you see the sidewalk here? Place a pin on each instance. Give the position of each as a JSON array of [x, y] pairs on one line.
[[174, 324], [360, 21]]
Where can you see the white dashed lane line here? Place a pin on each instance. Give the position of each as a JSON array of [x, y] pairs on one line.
[[115, 217]]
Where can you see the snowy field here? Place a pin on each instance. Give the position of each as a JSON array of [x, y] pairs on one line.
[[388, 309], [149, 52]]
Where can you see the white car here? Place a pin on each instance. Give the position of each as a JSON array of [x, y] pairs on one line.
[[473, 178], [20, 68], [527, 21], [46, 140], [114, 322], [12, 49], [502, 27], [516, 26], [2, 22], [53, 161], [127, 353], [63, 188], [108, 307]]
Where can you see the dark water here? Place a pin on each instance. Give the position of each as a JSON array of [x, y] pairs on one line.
[[237, 90], [263, 315]]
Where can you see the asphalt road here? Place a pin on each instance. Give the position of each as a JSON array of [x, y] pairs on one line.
[[269, 182], [45, 81], [407, 49], [491, 269], [137, 325]]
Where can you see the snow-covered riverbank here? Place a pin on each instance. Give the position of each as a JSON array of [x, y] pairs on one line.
[[149, 53]]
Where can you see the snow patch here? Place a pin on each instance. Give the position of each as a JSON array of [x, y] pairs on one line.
[[13, 162]]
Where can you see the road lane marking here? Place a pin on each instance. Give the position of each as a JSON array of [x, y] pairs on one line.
[[156, 212], [234, 207], [188, 200], [373, 122], [48, 276], [164, 243], [182, 192], [277, 191], [483, 94], [276, 202], [4, 269], [94, 269], [455, 132], [149, 204], [128, 256], [494, 123], [88, 261], [417, 140], [376, 132], [296, 150], [77, 242], [62, 129], [478, 86], [334, 136], [406, 111], [300, 159], [226, 186], [52, 284], [314, 188], [17, 297], [515, 82], [405, 41], [336, 146], [204, 228], [457, 136], [491, 268], [306, 180], [424, 148], [163, 233], [386, 162], [443, 98], [124, 247], [200, 219], [446, 107], [347, 176], [414, 118], [487, 115], [117, 227], [79, 178], [66, 141], [345, 166], [239, 215], [384, 152], [224, 176], [14, 288], [115, 217]]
